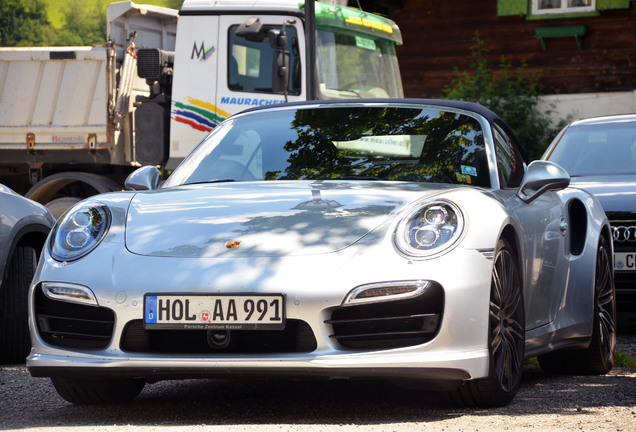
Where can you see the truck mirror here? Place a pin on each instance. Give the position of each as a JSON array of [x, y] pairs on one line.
[[277, 39], [280, 64], [280, 71], [252, 30]]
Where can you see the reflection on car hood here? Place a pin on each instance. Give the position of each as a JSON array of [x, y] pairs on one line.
[[617, 193], [263, 218]]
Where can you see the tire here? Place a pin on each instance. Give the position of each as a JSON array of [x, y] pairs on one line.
[[14, 295], [506, 338], [598, 357], [97, 391], [58, 206]]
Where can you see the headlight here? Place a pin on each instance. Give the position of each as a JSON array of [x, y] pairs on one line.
[[79, 231], [429, 229]]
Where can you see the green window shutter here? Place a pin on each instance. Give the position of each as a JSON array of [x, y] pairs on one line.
[[611, 4], [518, 7]]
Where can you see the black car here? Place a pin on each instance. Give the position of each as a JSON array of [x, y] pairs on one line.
[[600, 155]]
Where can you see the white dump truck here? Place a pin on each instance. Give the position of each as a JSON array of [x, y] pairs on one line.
[[75, 121]]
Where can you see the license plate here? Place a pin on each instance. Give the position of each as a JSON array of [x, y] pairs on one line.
[[625, 261], [214, 312]]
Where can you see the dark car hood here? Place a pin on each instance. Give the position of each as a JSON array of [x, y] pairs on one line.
[[617, 193], [267, 218]]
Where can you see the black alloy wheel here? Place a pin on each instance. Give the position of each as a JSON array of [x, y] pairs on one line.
[[506, 339]]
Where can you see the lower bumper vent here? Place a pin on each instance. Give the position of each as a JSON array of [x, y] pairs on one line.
[[296, 337], [390, 324], [73, 325]]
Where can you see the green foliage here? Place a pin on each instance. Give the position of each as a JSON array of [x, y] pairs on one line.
[[624, 360], [24, 23], [174, 4], [84, 24], [55, 12], [511, 93], [58, 22]]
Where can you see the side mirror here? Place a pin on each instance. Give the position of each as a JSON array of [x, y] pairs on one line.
[[280, 72], [144, 178], [280, 63], [540, 177]]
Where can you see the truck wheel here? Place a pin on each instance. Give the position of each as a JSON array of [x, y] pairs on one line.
[[14, 327], [598, 358], [97, 391], [69, 185], [506, 338], [58, 206]]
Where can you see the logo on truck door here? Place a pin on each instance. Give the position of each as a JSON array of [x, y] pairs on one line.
[[198, 114], [201, 52]]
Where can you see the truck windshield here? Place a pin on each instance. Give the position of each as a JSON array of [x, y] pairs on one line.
[[357, 66]]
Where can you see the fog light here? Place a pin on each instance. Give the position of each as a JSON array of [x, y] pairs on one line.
[[69, 293], [385, 291]]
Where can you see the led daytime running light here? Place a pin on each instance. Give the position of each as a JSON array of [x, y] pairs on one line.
[[385, 291], [69, 293]]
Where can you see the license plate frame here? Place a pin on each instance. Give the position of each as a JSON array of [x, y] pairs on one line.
[[187, 311], [625, 261]]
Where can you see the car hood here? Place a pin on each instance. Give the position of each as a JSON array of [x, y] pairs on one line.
[[617, 193], [263, 218]]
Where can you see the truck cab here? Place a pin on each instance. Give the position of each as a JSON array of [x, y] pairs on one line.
[[233, 55]]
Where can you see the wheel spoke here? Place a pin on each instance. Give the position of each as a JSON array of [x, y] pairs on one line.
[[601, 269], [508, 333], [605, 301], [509, 363]]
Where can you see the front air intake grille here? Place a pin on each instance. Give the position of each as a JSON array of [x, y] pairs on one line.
[[389, 324], [72, 325], [296, 337]]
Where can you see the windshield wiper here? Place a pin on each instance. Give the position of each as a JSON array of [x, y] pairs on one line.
[[355, 92], [227, 180]]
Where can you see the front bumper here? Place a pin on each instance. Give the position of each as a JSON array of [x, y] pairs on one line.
[[457, 351], [437, 367]]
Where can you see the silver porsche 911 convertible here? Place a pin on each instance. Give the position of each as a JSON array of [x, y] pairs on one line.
[[403, 240]]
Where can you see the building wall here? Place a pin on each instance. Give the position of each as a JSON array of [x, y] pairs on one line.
[[584, 105], [438, 36]]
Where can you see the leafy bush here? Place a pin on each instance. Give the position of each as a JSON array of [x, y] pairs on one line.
[[58, 22], [624, 360], [24, 23], [84, 24], [511, 93]]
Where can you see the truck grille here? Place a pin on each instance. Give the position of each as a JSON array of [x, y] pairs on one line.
[[71, 325], [389, 324]]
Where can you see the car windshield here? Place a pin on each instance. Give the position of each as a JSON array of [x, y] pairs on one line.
[[351, 66], [598, 149], [346, 142]]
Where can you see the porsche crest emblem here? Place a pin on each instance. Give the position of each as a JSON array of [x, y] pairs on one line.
[[232, 244]]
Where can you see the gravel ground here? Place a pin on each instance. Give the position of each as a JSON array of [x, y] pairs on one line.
[[544, 403]]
